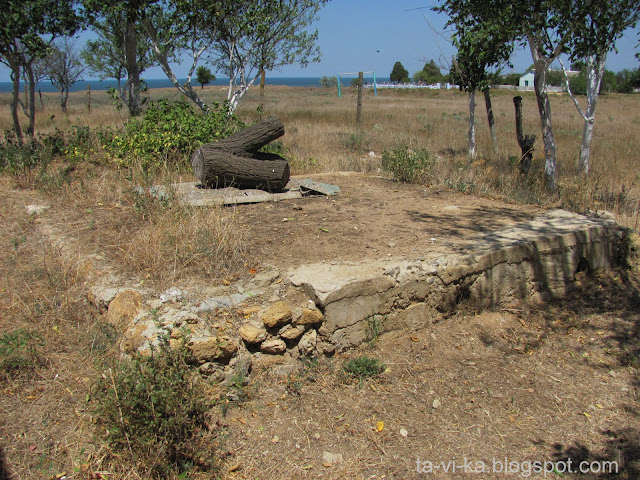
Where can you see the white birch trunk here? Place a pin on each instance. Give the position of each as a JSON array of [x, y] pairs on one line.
[[595, 72], [472, 125], [544, 107], [161, 56]]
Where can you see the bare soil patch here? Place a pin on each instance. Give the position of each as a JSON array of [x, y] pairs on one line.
[[371, 218]]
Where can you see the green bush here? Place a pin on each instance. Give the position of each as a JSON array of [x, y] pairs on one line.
[[168, 133], [407, 165], [363, 367], [154, 407], [19, 352]]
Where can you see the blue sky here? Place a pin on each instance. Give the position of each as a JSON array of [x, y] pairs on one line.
[[371, 35]]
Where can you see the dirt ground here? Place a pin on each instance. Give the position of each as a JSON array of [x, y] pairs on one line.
[[372, 217], [458, 398]]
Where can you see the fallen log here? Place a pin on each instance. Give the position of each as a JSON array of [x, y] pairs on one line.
[[265, 171], [235, 161], [250, 139]]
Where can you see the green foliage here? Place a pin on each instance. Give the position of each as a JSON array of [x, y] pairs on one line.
[[168, 134], [19, 352], [204, 76], [407, 165], [329, 82], [510, 79], [363, 367], [429, 74], [154, 407], [399, 73]]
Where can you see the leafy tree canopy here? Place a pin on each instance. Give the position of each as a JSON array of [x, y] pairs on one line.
[[399, 73]]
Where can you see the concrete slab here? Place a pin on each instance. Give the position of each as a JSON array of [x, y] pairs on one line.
[[533, 261]]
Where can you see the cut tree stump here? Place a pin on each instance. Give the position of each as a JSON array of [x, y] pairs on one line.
[[526, 142], [235, 161]]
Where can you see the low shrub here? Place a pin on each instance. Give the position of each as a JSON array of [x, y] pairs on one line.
[[363, 367], [153, 408], [407, 165], [168, 133], [19, 353]]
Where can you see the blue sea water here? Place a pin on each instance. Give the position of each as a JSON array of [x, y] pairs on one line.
[[165, 83]]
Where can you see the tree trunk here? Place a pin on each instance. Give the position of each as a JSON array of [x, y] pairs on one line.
[[31, 80], [15, 99], [526, 142], [491, 120], [595, 72], [472, 125], [544, 107], [235, 160], [262, 81], [133, 70], [264, 171]]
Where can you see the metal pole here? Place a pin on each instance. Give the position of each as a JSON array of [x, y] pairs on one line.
[[339, 93]]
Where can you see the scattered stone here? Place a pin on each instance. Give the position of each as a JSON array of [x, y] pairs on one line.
[[251, 333], [207, 349], [310, 316], [187, 316], [289, 333], [172, 294], [274, 346], [307, 343], [404, 432], [123, 308], [436, 403], [209, 368], [326, 348], [329, 459], [36, 209], [241, 365], [277, 314], [248, 311], [264, 279], [101, 296]]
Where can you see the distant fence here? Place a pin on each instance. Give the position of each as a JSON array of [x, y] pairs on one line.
[[448, 86]]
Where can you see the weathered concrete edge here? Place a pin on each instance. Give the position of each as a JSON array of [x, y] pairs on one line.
[[534, 260]]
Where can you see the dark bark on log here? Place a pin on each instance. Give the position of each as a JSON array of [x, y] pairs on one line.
[[526, 142], [264, 171], [251, 139], [235, 160]]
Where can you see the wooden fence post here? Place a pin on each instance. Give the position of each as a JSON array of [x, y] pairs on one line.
[[359, 108]]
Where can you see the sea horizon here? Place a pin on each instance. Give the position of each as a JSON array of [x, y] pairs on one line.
[[47, 87]]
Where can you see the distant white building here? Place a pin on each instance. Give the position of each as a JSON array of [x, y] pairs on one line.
[[526, 82]]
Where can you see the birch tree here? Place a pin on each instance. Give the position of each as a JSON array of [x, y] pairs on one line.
[[604, 24], [27, 28], [481, 46], [105, 55], [260, 35], [130, 13], [64, 68], [547, 26], [187, 28]]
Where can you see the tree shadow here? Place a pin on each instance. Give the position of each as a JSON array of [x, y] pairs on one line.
[[620, 458], [5, 473]]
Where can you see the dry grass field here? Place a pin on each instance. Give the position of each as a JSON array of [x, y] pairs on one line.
[[494, 374]]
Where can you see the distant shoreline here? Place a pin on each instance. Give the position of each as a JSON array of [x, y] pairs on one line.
[[47, 87]]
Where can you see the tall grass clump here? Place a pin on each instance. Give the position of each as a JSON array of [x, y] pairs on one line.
[[177, 240], [152, 409]]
